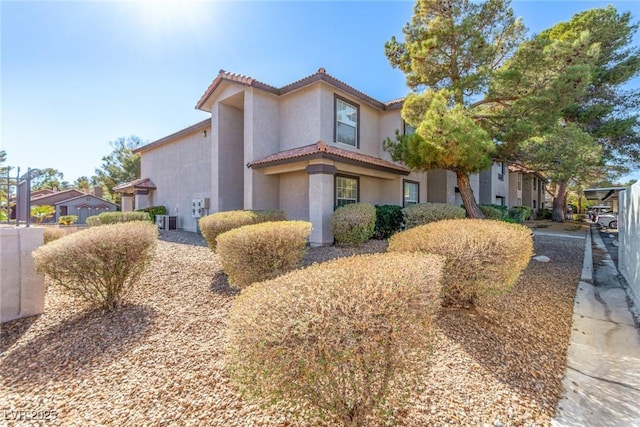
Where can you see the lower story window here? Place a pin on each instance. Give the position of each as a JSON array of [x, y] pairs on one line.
[[346, 190], [535, 202], [411, 193]]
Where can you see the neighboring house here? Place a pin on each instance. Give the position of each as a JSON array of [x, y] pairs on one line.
[[495, 185], [74, 202], [526, 187], [304, 148]]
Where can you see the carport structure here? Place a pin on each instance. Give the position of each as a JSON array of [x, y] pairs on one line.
[[608, 196]]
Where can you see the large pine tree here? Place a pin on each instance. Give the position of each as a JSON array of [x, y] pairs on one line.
[[450, 54]]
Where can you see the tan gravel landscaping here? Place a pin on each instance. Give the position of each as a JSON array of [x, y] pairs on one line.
[[159, 359]]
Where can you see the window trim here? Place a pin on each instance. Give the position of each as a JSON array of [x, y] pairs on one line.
[[335, 188], [405, 182], [337, 97], [404, 128]]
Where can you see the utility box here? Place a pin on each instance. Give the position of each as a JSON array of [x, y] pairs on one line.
[[167, 222], [160, 221], [199, 207], [170, 222]]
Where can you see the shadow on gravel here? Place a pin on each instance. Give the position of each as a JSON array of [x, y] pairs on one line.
[[12, 331], [521, 337], [76, 345], [220, 285]]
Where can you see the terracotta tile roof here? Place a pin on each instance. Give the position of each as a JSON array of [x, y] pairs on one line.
[[322, 150], [138, 183], [320, 75]]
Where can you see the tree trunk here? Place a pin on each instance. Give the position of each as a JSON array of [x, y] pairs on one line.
[[464, 185], [559, 202]]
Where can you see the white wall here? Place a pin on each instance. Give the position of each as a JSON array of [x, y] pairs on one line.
[[629, 239], [21, 289]]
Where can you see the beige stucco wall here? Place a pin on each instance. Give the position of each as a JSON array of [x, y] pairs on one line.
[[369, 139], [300, 117], [181, 171], [229, 172], [491, 187], [514, 192], [294, 195], [261, 138], [629, 239], [441, 186], [21, 289]]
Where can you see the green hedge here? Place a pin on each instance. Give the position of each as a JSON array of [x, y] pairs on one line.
[[153, 211], [389, 221], [492, 212], [519, 214]]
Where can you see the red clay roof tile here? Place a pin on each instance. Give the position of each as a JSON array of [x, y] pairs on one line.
[[321, 149]]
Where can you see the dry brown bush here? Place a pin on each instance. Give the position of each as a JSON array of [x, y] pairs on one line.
[[52, 233], [425, 213], [257, 252], [349, 338], [100, 264], [483, 256], [215, 224]]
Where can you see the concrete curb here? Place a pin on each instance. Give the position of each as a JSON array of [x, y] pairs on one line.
[[602, 380]]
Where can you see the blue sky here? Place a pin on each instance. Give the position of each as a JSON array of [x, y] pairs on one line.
[[76, 75]]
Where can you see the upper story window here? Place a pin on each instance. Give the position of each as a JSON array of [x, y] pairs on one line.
[[535, 183], [346, 190], [407, 129], [347, 122], [502, 171], [411, 192], [519, 182]]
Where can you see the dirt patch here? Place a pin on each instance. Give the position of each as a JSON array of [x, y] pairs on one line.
[[159, 360]]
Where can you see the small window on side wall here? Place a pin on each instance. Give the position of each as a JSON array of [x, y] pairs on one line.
[[411, 193], [346, 190], [347, 122]]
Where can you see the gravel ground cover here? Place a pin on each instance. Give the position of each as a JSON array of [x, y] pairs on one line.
[[159, 359]]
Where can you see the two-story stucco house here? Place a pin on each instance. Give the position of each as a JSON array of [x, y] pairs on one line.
[[494, 185], [526, 188], [304, 148]]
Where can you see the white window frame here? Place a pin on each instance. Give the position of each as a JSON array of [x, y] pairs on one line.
[[340, 199], [356, 107], [405, 184]]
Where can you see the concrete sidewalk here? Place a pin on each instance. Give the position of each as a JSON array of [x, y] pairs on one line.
[[602, 381]]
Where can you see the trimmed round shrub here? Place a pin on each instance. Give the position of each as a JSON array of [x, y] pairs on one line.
[[106, 218], [484, 257], [99, 264], [389, 221], [92, 221], [257, 252], [424, 213], [353, 223], [491, 212], [211, 226], [52, 233], [348, 338]]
